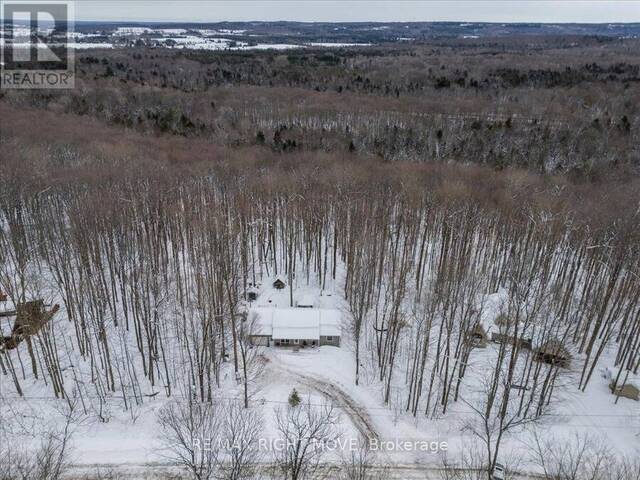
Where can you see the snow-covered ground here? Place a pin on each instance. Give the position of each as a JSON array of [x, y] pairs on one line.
[[326, 374], [180, 38], [199, 43], [338, 45], [269, 46], [592, 412]]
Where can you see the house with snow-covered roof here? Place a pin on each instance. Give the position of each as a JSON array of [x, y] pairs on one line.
[[303, 327]]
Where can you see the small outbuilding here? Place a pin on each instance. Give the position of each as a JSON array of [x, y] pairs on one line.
[[252, 294], [524, 343], [628, 390], [553, 352], [627, 384], [279, 283]]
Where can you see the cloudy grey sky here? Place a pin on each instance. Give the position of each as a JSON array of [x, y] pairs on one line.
[[592, 11]]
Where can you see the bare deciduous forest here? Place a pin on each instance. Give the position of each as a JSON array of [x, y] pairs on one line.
[[413, 181], [546, 104]]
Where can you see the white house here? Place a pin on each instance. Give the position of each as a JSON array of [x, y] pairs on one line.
[[295, 326]]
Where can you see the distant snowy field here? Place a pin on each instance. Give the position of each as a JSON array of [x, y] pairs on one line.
[[177, 38]]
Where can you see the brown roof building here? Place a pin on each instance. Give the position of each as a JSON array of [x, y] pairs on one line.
[[553, 353]]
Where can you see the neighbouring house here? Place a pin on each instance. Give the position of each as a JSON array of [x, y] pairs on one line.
[[628, 384], [3, 296], [524, 343], [306, 301], [553, 353], [506, 332], [301, 327], [628, 390], [477, 336], [30, 318], [279, 283]]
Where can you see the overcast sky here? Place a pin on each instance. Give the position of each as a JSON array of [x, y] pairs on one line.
[[592, 11]]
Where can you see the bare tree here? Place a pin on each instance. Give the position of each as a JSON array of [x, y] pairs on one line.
[[242, 431], [628, 467], [359, 297], [304, 432], [50, 459], [358, 463], [578, 458], [191, 431], [250, 355], [496, 414], [470, 464]]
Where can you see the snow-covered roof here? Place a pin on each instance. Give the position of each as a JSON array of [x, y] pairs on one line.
[[262, 319], [633, 381], [288, 323], [306, 301], [329, 323], [626, 377], [296, 323], [493, 306]]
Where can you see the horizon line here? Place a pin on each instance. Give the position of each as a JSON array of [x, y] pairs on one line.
[[468, 22]]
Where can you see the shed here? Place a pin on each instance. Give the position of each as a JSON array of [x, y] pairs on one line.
[[628, 383], [524, 343], [553, 352], [279, 283], [252, 294], [628, 390]]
